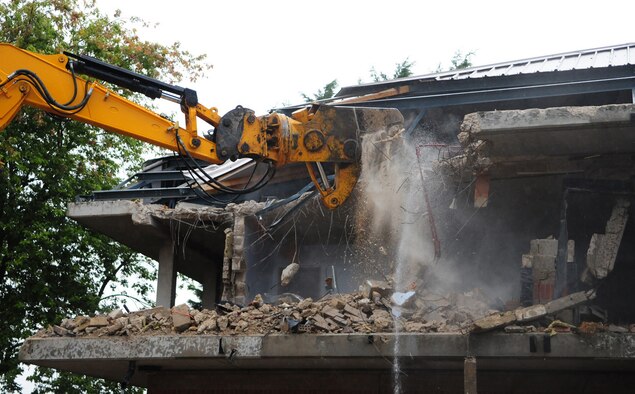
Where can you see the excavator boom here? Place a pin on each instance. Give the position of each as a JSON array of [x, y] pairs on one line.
[[313, 135]]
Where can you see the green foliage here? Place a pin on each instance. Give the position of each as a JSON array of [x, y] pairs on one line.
[[50, 267], [327, 92], [50, 381], [402, 70], [197, 291], [459, 61]]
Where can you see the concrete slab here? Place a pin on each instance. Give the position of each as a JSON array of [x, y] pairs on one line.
[[109, 357], [562, 131], [148, 228]]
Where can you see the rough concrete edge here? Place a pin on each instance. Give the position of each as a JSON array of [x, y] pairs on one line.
[[142, 347], [536, 118], [430, 345]]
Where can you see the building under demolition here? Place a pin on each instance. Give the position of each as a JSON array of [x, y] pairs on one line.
[[489, 238]]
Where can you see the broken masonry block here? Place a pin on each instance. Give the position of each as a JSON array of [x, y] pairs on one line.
[[543, 246], [257, 301], [603, 248], [353, 311], [337, 303], [98, 321], [115, 314], [181, 319], [340, 320], [60, 331], [530, 313], [494, 321], [331, 312], [305, 303], [321, 323]]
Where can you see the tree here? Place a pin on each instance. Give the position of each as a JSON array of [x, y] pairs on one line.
[[402, 70], [459, 61], [50, 267], [325, 93]]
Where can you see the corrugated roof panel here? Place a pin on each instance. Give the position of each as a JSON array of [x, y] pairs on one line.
[[587, 60], [533, 66], [507, 68], [551, 64], [516, 68], [617, 55], [569, 62], [487, 72], [603, 58]]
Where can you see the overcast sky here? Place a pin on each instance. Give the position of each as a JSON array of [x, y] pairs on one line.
[[265, 53]]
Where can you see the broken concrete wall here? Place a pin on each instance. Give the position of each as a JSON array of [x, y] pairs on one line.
[[542, 261], [603, 248], [388, 221]]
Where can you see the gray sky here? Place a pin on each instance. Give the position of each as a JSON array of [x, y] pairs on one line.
[[266, 52]]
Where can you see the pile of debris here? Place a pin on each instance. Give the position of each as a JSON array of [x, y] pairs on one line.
[[374, 309]]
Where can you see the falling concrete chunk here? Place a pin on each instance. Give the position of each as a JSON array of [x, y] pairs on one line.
[[376, 286], [401, 299], [181, 319], [288, 273]]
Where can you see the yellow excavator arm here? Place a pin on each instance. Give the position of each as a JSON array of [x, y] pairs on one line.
[[314, 135]]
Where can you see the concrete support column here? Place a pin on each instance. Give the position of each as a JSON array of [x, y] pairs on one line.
[[469, 375], [166, 282], [209, 288]]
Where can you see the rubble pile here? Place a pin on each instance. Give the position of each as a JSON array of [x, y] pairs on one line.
[[375, 309]]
